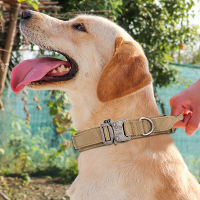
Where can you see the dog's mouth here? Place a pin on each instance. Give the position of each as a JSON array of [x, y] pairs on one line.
[[44, 69]]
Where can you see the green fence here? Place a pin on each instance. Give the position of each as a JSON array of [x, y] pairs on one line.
[[42, 134], [34, 146]]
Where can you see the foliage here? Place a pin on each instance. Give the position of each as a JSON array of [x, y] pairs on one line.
[[2, 151], [193, 164], [60, 109], [25, 178], [69, 174], [64, 176], [51, 170], [160, 27], [25, 152], [33, 3], [190, 54], [108, 8]]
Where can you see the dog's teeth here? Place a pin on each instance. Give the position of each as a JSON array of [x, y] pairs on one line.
[[59, 69], [62, 67], [67, 69], [54, 71]]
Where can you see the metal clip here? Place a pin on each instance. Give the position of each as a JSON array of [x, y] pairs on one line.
[[116, 132], [107, 142]]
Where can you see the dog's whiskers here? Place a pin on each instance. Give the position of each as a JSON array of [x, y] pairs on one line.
[[85, 11], [78, 9]]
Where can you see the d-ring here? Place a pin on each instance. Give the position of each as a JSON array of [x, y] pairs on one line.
[[146, 118]]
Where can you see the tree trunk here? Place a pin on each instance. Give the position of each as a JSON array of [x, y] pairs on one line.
[[8, 45]]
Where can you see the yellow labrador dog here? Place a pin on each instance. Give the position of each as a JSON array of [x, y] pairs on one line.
[[106, 77]]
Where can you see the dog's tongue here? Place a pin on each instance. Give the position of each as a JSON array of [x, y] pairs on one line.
[[33, 70]]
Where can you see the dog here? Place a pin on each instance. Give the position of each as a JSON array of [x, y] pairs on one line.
[[106, 76]]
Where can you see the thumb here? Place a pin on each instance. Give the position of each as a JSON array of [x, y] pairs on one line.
[[182, 124], [193, 123]]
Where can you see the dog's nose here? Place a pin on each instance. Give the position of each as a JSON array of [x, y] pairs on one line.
[[26, 14]]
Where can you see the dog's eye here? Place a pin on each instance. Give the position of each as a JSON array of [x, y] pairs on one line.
[[79, 27]]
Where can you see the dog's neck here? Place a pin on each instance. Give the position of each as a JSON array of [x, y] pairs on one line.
[[138, 104], [88, 112]]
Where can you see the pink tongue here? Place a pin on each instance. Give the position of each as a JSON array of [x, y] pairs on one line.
[[33, 70]]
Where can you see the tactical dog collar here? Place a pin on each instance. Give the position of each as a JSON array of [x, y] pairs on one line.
[[124, 130]]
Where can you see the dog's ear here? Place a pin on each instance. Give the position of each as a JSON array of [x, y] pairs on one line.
[[126, 72]]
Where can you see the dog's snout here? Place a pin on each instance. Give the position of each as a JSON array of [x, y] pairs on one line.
[[26, 14]]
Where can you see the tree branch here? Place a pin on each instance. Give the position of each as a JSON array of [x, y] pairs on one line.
[[4, 196]]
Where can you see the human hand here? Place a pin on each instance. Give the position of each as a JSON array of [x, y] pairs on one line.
[[187, 102]]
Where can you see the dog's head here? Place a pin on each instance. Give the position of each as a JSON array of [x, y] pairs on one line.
[[100, 55]]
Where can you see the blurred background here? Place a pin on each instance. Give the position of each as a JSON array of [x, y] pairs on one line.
[[36, 126]]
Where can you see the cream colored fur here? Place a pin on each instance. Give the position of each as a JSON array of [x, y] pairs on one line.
[[142, 169]]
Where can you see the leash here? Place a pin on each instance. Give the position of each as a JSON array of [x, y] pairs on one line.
[[124, 130]]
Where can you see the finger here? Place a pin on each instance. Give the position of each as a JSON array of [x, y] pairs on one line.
[[186, 111], [182, 124], [177, 109], [193, 123]]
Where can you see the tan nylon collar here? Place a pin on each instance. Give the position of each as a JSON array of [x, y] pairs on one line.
[[124, 130]]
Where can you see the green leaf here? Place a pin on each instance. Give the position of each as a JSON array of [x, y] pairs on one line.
[[16, 125], [58, 94], [65, 98], [72, 129], [28, 158], [53, 110], [35, 6], [187, 85], [61, 129], [50, 103], [2, 151], [63, 147]]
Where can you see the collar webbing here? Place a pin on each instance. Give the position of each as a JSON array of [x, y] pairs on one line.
[[124, 130]]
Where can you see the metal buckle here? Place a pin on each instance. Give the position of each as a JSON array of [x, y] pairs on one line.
[[107, 142], [146, 118], [116, 131]]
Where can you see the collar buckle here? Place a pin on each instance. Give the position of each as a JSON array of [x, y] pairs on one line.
[[116, 131]]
